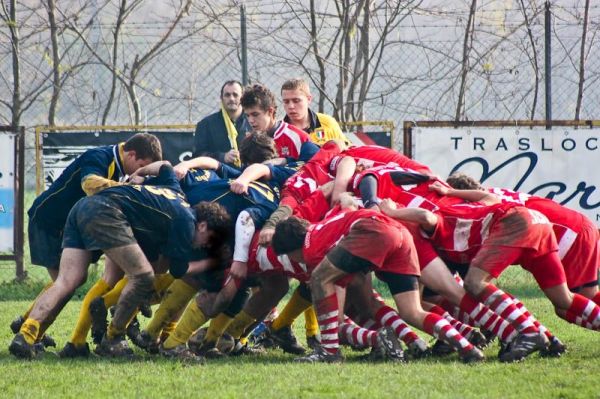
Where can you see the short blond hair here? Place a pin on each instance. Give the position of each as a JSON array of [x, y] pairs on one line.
[[296, 84]]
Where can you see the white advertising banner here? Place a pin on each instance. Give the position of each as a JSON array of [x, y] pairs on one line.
[[7, 191], [559, 163]]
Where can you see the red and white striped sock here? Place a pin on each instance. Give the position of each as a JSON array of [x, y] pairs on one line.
[[327, 316], [388, 317], [503, 306], [439, 327], [584, 312], [531, 318], [464, 329], [484, 318], [358, 336]]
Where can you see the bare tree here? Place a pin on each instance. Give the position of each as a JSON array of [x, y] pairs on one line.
[[582, 58], [22, 98], [467, 46]]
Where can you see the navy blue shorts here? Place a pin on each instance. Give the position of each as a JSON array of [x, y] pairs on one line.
[[97, 223], [45, 244]]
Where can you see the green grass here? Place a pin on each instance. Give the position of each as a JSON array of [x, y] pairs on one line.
[[275, 375]]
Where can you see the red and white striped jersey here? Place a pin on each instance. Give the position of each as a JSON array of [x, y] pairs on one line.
[[463, 228], [408, 195], [311, 176], [264, 260], [368, 156], [289, 139], [566, 223], [323, 236]]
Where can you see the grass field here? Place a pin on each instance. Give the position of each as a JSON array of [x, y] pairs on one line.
[[274, 375]]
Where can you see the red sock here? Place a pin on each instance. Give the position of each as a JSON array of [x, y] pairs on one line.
[[327, 316], [464, 329], [387, 316], [358, 336], [584, 312], [503, 306], [437, 326], [484, 318]]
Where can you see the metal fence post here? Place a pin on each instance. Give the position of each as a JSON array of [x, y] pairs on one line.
[[548, 65], [244, 41]]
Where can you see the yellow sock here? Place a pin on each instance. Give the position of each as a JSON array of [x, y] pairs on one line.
[[239, 324], [292, 310], [84, 322], [161, 284], [217, 327], [112, 297], [30, 330], [310, 322], [191, 320], [244, 340], [26, 314], [176, 297]]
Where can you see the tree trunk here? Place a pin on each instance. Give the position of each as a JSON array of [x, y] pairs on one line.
[[582, 60], [56, 85], [467, 44]]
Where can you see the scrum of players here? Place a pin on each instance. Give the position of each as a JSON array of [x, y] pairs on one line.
[[214, 245]]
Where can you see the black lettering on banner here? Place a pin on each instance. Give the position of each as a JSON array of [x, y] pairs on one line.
[[501, 144], [571, 147], [587, 143], [478, 142], [544, 148], [524, 144], [548, 189], [455, 140]]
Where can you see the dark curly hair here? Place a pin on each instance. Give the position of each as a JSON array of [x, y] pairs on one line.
[[462, 181], [289, 235], [258, 95], [217, 219], [257, 147]]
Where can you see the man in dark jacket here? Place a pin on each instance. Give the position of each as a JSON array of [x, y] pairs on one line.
[[219, 135]]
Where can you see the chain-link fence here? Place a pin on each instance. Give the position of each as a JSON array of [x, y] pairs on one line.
[[398, 61]]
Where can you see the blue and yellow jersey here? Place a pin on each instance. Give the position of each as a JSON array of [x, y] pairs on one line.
[[280, 174], [262, 198], [51, 208], [160, 217]]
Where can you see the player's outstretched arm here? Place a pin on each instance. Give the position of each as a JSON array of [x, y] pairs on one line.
[[425, 219], [468, 195]]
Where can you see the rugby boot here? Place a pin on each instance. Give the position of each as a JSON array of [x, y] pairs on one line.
[[182, 353], [144, 341], [477, 339], [115, 347], [418, 349], [244, 349], [441, 348], [522, 346], [554, 349], [286, 340], [15, 325], [473, 355], [388, 347], [71, 351], [21, 349], [320, 355]]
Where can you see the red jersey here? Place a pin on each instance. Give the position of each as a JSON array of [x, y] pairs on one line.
[[567, 224], [408, 195], [311, 175], [264, 260], [368, 156], [289, 139], [463, 228], [323, 236]]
